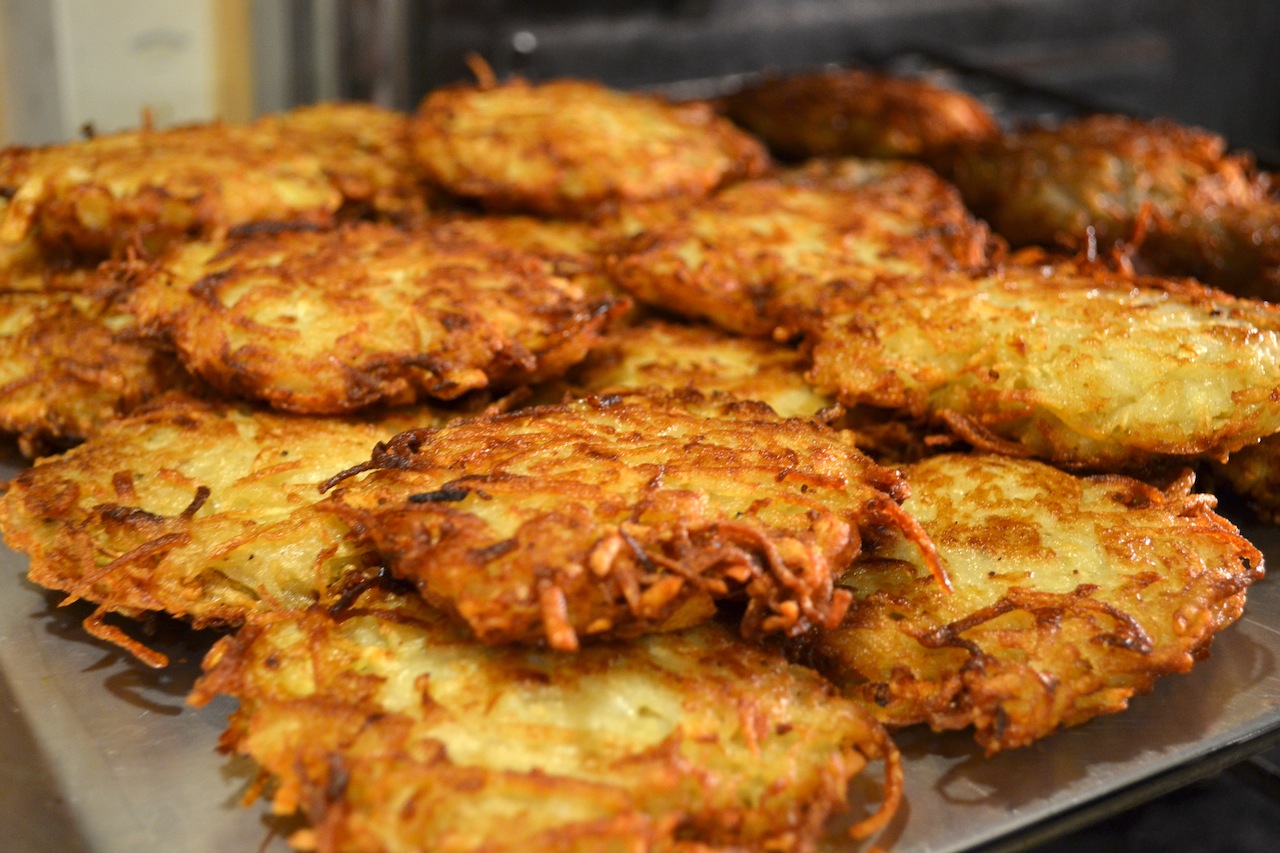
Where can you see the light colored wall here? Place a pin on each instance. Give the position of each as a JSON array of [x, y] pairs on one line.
[[71, 63]]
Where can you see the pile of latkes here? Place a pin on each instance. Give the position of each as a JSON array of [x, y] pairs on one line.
[[572, 469]]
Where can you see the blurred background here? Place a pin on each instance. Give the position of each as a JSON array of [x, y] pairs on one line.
[[68, 63]]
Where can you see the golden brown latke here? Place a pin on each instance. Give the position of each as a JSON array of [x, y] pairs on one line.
[[73, 359], [1072, 594], [333, 321], [364, 149], [656, 353], [758, 253], [391, 730], [567, 147], [148, 187], [1076, 364], [571, 247], [622, 514], [1191, 208], [856, 113], [200, 509]]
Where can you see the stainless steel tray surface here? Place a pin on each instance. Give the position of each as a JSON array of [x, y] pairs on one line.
[[100, 753]]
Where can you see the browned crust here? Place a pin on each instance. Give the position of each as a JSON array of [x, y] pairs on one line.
[[759, 754], [147, 188], [76, 361], [758, 256], [1170, 194], [1040, 634], [197, 508], [1001, 362], [328, 322], [577, 145], [664, 505], [851, 112]]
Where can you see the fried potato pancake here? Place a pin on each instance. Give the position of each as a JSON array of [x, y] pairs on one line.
[[72, 360], [622, 514], [656, 353], [571, 247], [1072, 363], [364, 149], [567, 147], [1071, 595], [856, 113], [200, 509], [759, 252], [325, 322], [1192, 208], [149, 187], [391, 730]]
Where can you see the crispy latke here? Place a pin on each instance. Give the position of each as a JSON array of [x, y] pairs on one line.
[[571, 247], [333, 321], [200, 509], [391, 730], [622, 514], [656, 353], [364, 149], [756, 254], [1076, 364], [1071, 595], [567, 147], [73, 359], [148, 187], [1191, 208], [851, 112], [662, 354]]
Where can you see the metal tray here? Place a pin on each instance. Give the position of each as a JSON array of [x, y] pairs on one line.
[[101, 754]]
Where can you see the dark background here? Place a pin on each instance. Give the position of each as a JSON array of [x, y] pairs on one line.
[[1211, 63]]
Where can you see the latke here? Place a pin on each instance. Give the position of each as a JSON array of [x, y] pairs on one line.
[[1075, 364], [204, 510], [757, 254], [856, 113], [622, 514], [390, 730], [1172, 192], [72, 360], [148, 187], [568, 147], [659, 354], [327, 322], [364, 150], [572, 248], [1071, 595]]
